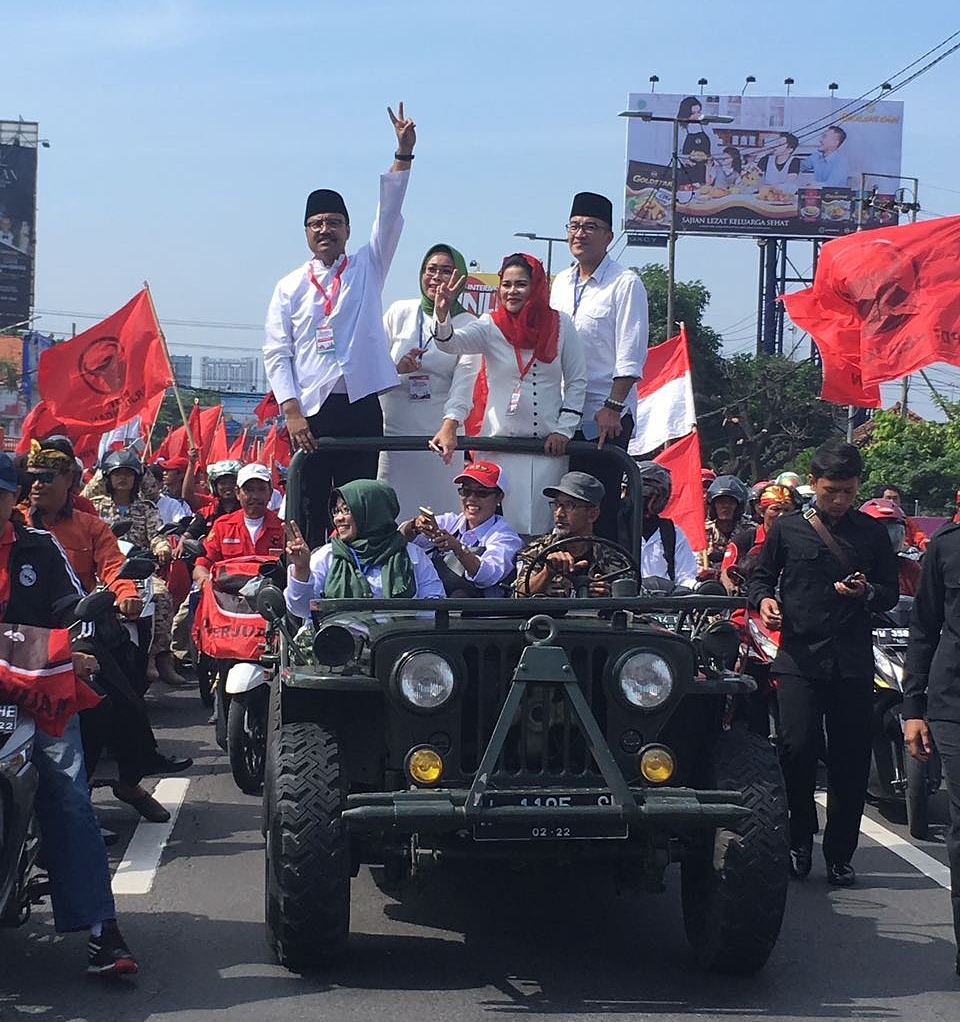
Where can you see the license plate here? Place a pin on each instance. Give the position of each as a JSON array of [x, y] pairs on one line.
[[892, 635], [9, 715], [563, 824]]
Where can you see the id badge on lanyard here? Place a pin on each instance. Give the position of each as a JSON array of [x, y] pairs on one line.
[[325, 340], [523, 370]]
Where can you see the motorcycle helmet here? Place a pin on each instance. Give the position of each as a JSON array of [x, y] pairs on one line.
[[122, 459], [656, 484], [707, 476], [752, 506], [790, 479], [728, 486], [893, 518], [218, 469]]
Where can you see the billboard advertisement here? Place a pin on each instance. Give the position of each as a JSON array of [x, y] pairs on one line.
[[781, 166], [18, 187]]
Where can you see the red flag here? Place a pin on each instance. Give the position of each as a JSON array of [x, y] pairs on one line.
[[173, 446], [267, 408], [236, 448], [885, 302], [682, 459], [40, 422], [109, 373], [219, 450], [36, 674]]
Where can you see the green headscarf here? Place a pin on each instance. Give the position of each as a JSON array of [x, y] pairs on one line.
[[375, 508], [426, 302]]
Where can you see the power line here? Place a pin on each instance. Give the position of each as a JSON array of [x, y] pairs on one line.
[[209, 325]]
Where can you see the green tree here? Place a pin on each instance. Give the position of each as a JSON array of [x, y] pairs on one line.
[[9, 377], [770, 414], [923, 458]]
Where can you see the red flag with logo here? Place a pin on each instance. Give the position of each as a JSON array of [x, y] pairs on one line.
[[682, 460], [109, 373], [36, 674], [885, 302]]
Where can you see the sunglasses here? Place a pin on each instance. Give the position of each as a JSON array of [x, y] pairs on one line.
[[476, 491], [42, 477]]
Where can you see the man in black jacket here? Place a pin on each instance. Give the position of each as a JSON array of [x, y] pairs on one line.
[[931, 687], [834, 567], [38, 587]]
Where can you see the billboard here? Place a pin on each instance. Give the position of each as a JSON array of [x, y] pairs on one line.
[[18, 192], [783, 166]]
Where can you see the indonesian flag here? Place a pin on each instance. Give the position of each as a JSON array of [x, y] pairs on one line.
[[883, 304], [109, 373], [36, 674], [665, 408]]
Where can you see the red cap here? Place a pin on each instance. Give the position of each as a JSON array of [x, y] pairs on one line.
[[486, 473], [173, 464]]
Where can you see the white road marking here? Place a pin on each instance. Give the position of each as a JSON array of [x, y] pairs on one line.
[[137, 870], [926, 864]]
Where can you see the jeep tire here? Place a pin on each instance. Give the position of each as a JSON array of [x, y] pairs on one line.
[[734, 888], [307, 885]]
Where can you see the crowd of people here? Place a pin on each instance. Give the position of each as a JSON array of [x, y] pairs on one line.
[[556, 365]]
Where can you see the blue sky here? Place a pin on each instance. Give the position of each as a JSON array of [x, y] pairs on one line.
[[185, 134]]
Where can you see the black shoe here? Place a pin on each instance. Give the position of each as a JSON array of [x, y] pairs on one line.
[[801, 859], [108, 954], [841, 874], [161, 765], [110, 837]]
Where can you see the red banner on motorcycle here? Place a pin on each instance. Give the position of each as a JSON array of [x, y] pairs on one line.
[[226, 627]]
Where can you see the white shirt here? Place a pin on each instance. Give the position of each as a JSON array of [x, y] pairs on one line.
[[653, 561], [299, 594], [360, 362], [611, 319], [500, 542], [172, 508]]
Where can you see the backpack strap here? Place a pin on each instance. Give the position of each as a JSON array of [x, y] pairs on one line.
[[668, 536]]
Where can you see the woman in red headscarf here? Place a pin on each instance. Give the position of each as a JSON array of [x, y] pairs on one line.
[[536, 377]]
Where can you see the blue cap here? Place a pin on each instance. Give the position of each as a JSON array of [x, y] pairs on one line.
[[9, 480]]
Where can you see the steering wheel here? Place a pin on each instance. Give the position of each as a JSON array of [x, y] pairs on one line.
[[626, 564]]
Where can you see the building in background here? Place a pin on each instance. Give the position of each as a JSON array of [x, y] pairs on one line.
[[18, 204], [240, 375], [182, 366]]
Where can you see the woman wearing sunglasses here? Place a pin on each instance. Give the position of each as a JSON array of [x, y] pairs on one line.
[[435, 385], [536, 379], [473, 550], [366, 557]]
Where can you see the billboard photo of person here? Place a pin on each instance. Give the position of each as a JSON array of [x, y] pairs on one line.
[[829, 164], [695, 149], [781, 167]]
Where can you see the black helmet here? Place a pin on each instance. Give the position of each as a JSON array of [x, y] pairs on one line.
[[122, 459], [655, 482], [58, 442], [728, 486]]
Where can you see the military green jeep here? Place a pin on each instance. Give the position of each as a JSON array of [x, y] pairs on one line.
[[573, 730]]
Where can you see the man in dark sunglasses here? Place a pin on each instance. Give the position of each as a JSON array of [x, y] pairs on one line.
[[473, 549]]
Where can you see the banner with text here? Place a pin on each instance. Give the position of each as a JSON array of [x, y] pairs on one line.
[[783, 166]]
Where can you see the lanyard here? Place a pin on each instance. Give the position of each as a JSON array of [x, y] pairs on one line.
[[578, 292], [328, 299], [421, 344], [359, 563], [521, 368]]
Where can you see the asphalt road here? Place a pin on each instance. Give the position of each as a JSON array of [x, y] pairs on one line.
[[470, 945]]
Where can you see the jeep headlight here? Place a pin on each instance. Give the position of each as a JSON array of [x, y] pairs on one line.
[[646, 680], [425, 680]]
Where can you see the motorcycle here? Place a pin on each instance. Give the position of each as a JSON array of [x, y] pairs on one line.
[[232, 637], [23, 883], [894, 773]]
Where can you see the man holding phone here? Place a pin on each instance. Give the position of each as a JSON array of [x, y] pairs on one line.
[[834, 568]]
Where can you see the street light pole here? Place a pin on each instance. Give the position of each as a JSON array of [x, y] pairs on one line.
[[645, 115], [541, 237]]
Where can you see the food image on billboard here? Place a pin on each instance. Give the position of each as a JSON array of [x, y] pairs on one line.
[[784, 166]]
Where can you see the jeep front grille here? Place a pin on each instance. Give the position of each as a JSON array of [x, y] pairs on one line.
[[544, 740]]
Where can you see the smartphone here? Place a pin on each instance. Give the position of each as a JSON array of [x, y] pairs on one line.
[[428, 513], [854, 576]]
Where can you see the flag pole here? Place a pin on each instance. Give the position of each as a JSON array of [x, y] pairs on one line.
[[173, 375]]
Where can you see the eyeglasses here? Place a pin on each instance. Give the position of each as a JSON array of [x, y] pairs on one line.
[[342, 511], [438, 271], [566, 506], [318, 223], [42, 477], [476, 491], [588, 228]]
